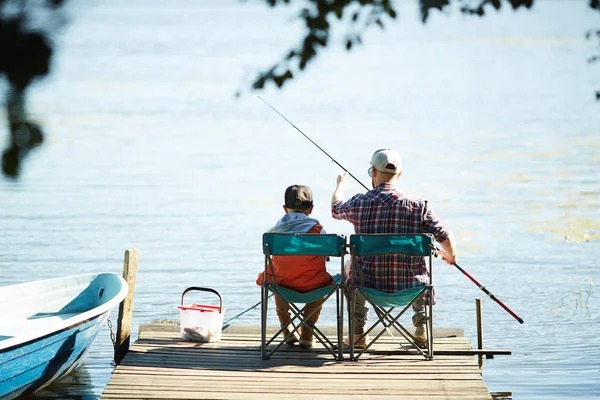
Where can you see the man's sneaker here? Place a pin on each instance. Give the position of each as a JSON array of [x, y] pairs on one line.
[[289, 339], [358, 344], [421, 336]]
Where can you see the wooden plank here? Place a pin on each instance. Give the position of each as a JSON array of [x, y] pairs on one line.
[[304, 367], [430, 387], [295, 351], [254, 329], [219, 363], [252, 346], [274, 363], [349, 373], [212, 382], [291, 355], [236, 336], [178, 393], [242, 340], [209, 393], [291, 396], [176, 376], [289, 374], [308, 388]]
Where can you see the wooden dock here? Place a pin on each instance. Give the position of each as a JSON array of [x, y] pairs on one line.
[[161, 366]]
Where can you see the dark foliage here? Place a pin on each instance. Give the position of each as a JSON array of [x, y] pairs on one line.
[[497, 4], [25, 55], [595, 5], [317, 16]]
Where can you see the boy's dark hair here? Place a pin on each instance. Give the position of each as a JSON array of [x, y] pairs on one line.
[[298, 197]]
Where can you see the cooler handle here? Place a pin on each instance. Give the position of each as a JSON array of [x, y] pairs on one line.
[[203, 289]]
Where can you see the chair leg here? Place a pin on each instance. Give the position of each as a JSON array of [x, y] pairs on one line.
[[430, 324], [340, 326], [263, 322], [351, 321]]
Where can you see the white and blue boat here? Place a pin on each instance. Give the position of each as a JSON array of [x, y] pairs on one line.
[[48, 326]]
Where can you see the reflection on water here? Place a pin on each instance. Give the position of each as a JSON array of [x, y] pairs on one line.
[[78, 385]]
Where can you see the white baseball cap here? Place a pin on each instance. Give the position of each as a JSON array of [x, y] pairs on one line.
[[387, 160]]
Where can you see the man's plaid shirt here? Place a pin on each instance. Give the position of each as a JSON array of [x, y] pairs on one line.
[[387, 210]]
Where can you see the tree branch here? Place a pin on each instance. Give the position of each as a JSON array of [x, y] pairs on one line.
[[315, 17]]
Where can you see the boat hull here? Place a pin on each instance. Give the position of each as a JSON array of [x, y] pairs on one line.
[[36, 359]]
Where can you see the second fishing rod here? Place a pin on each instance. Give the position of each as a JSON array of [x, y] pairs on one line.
[[465, 273]]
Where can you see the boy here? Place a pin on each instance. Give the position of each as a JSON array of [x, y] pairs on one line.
[[299, 273]]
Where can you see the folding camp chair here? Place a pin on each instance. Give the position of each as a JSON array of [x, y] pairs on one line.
[[382, 303], [282, 244]]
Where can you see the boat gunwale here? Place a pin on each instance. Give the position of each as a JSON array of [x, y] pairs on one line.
[[69, 323], [49, 335]]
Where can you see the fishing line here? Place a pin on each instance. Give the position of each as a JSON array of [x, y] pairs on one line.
[[319, 147], [227, 323]]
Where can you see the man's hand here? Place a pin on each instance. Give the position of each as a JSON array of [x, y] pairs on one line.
[[446, 257], [338, 193], [448, 250], [342, 179]]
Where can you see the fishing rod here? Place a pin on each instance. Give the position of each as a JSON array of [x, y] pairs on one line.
[[501, 304], [319, 147], [483, 289]]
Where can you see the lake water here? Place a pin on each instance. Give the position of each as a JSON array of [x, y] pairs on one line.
[[148, 148]]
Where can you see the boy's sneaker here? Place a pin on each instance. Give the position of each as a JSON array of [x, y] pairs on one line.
[[306, 337], [305, 344], [358, 344], [289, 338], [421, 336]]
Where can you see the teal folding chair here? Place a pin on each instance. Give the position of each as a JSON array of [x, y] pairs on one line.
[[283, 244], [389, 307]]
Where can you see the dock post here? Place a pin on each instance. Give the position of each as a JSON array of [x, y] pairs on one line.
[[479, 329], [479, 324], [130, 267]]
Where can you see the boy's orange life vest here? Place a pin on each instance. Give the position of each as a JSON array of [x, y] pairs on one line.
[[299, 273]]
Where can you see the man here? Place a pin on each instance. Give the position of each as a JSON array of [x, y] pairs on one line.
[[385, 209]]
